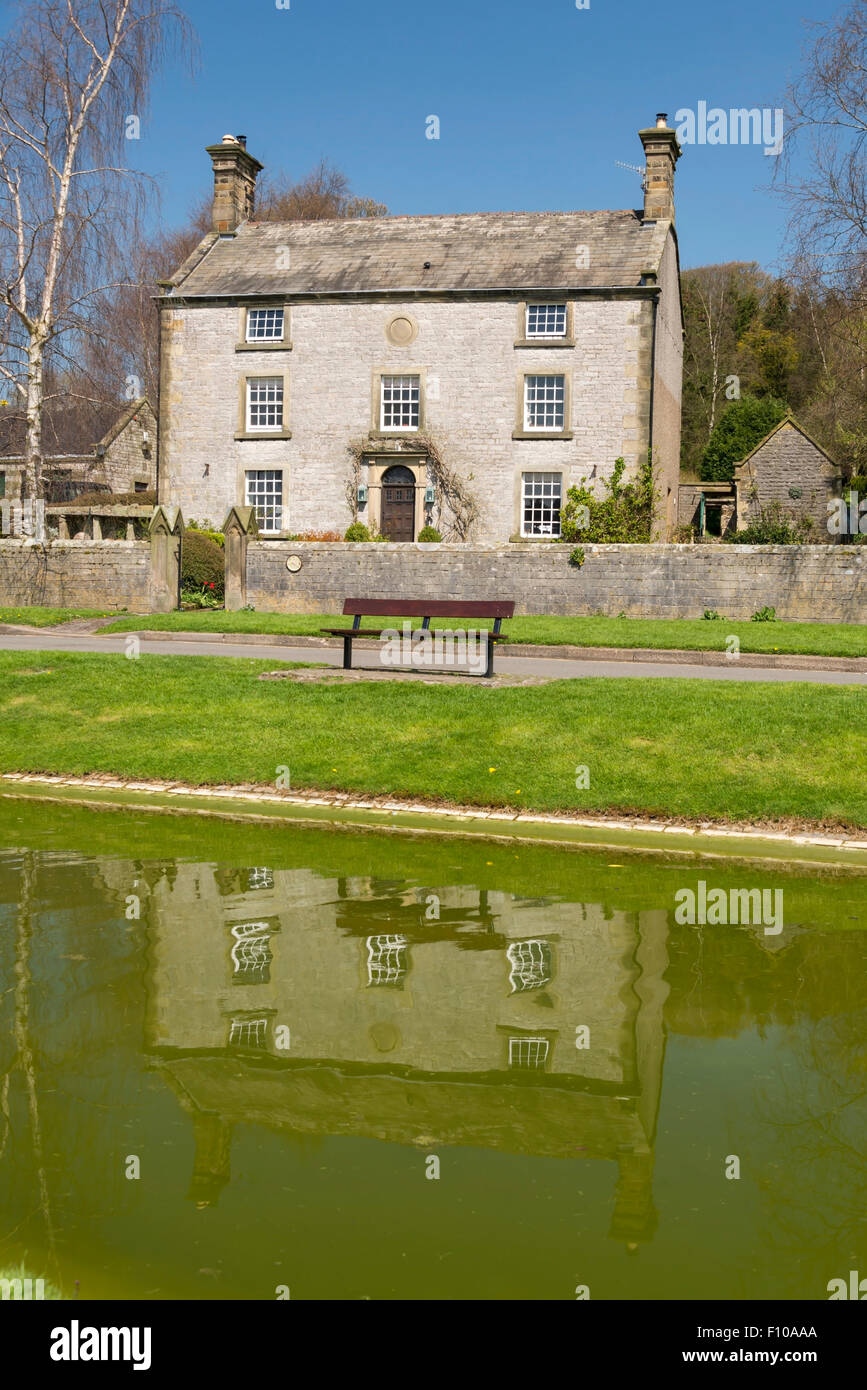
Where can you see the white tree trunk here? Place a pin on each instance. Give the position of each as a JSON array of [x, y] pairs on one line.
[[33, 443]]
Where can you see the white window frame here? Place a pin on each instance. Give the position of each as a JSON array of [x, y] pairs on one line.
[[251, 953], [543, 480], [266, 337], [386, 381], [532, 964], [278, 385], [251, 1033], [252, 499], [386, 959], [544, 377], [528, 1054], [557, 307]]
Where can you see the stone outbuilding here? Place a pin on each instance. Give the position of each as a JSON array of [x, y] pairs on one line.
[[789, 468], [124, 460]]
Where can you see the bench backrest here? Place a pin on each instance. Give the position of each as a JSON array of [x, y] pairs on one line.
[[428, 608]]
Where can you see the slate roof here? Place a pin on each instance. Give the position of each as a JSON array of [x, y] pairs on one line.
[[467, 252]]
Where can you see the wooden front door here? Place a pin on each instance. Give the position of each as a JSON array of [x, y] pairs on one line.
[[397, 521]]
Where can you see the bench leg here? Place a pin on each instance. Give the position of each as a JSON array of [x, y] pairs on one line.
[[489, 668], [347, 653]]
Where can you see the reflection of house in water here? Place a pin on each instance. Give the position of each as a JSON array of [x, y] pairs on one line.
[[362, 1007]]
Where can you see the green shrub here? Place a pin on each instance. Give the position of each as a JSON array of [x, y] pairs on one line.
[[773, 526], [429, 533], [204, 529], [623, 513], [202, 564], [764, 615], [200, 598], [739, 429], [712, 615], [357, 532], [576, 556]]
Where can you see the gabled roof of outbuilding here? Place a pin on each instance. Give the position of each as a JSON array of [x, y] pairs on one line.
[[123, 420], [467, 252], [787, 422]]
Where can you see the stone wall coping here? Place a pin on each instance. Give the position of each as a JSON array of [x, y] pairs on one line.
[[658, 548], [71, 509], [28, 542]]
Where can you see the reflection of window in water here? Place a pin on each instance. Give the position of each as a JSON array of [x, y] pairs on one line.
[[259, 878], [532, 965], [528, 1053], [249, 1032], [386, 959], [251, 955]]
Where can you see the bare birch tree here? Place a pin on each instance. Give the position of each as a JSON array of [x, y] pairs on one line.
[[823, 172], [75, 77]]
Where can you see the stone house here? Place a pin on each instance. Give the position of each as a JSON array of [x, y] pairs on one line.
[[289, 943], [124, 460], [463, 370]]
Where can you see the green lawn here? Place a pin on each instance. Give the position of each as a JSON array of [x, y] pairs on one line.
[[715, 749], [817, 639], [820, 639], [48, 617]]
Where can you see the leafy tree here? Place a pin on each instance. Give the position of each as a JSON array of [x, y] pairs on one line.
[[720, 304], [744, 424]]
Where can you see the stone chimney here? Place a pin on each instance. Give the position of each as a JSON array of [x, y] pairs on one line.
[[235, 174], [661, 152]]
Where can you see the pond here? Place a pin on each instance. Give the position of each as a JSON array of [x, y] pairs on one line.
[[239, 1062]]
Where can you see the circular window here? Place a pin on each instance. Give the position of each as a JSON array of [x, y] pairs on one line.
[[401, 330]]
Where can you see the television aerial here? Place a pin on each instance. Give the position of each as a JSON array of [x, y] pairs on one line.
[[636, 169]]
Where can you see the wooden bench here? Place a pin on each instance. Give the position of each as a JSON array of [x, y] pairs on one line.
[[425, 608]]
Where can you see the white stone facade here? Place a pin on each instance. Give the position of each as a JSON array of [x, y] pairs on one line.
[[465, 352]]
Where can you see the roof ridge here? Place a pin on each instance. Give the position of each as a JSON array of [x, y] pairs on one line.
[[438, 216]]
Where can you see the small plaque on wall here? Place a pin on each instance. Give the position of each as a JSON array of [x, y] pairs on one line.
[[293, 564]]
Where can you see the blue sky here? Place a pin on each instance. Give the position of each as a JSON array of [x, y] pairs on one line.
[[536, 100]]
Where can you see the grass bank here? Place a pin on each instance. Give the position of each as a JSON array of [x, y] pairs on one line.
[[763, 753], [814, 639], [50, 617]]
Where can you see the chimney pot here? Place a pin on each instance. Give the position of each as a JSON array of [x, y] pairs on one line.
[[662, 120]]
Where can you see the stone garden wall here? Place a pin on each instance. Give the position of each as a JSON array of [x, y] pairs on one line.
[[76, 574], [823, 583], [141, 576]]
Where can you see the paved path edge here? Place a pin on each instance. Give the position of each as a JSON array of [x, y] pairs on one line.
[[345, 812]]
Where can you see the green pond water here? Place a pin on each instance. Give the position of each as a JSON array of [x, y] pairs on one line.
[[288, 1032]]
